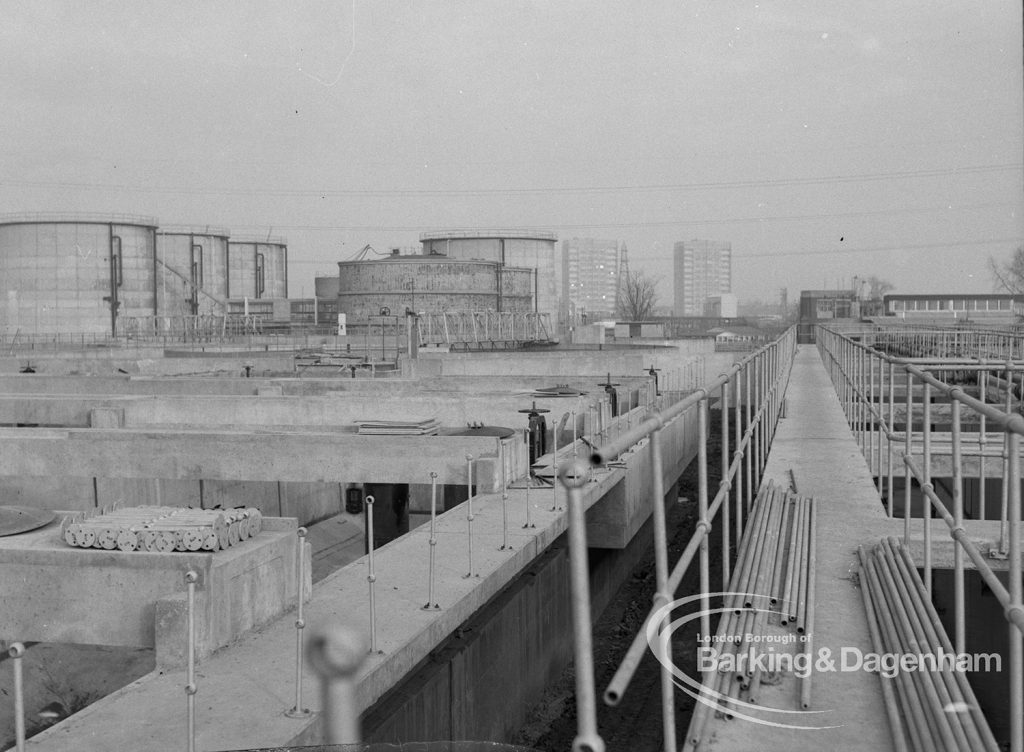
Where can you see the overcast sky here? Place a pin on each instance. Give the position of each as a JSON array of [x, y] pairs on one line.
[[823, 139]]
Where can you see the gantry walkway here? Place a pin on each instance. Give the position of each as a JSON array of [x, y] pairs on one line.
[[815, 447]]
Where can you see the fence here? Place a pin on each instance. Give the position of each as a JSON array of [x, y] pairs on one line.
[[752, 390], [866, 380]]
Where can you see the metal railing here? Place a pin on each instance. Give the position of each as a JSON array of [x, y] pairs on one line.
[[866, 380], [753, 391]]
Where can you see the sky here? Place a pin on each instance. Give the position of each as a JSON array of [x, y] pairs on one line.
[[823, 139]]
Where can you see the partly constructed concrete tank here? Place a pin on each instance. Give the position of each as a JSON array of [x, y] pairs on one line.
[[430, 284], [76, 273], [531, 249], [257, 267], [192, 267]]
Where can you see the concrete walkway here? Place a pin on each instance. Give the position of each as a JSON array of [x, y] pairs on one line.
[[814, 441]]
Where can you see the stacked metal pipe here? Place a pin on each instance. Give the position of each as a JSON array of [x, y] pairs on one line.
[[927, 709], [773, 578], [161, 529]]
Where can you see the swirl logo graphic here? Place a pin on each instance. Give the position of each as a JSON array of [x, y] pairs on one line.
[[712, 660]]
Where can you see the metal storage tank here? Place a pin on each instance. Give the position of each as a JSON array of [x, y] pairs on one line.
[[192, 269], [76, 273], [430, 284], [257, 267], [532, 249]]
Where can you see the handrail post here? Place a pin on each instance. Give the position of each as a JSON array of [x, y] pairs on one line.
[[738, 430], [749, 448], [431, 603], [926, 511], [190, 687], [336, 655], [504, 496], [371, 576], [890, 433], [300, 623], [662, 597], [724, 430], [702, 515], [1016, 598], [959, 616], [469, 512], [16, 652], [907, 453], [587, 737]]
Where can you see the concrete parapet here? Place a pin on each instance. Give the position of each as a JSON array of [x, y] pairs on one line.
[[54, 593]]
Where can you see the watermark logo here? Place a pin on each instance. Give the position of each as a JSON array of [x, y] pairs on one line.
[[774, 653]]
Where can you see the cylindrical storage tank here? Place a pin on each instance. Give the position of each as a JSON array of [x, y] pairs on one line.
[[76, 273], [192, 270], [257, 267], [430, 284], [326, 287], [531, 249]]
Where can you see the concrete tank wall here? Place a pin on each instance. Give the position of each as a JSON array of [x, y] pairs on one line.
[[485, 679], [188, 258], [258, 268], [56, 273], [430, 284]]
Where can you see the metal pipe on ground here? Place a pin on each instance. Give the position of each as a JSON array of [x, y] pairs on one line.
[[805, 621], [950, 734], [798, 567], [937, 636], [922, 733], [892, 707]]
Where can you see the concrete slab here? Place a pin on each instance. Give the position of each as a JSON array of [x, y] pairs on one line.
[[55, 593]]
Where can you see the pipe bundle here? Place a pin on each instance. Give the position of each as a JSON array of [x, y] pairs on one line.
[[930, 709], [773, 579], [162, 529]]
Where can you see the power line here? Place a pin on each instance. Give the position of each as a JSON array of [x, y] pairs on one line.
[[820, 252], [662, 223], [324, 192]]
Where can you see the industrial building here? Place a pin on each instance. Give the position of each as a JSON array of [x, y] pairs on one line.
[[590, 278], [430, 284], [702, 270], [532, 249]]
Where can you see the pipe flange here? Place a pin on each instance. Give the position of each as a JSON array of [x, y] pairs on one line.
[[574, 474], [1012, 610]]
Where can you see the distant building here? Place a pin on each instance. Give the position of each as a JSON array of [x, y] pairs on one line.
[[990, 308], [721, 306], [590, 278], [703, 269]]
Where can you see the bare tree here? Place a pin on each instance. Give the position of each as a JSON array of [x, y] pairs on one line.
[[1009, 276], [638, 295], [877, 287]]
